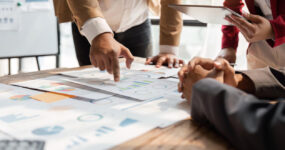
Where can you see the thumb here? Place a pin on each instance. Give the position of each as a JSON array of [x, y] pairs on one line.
[[125, 52], [217, 75], [229, 72]]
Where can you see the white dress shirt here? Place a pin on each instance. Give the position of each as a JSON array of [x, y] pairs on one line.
[[119, 16]]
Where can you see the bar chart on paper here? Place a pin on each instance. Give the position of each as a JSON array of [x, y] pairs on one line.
[[135, 87], [58, 85]]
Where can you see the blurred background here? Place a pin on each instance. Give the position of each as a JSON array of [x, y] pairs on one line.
[[196, 40]]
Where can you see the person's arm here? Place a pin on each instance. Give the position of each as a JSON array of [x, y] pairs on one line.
[[84, 10], [247, 122], [62, 11], [105, 50], [278, 26], [230, 33], [170, 30], [170, 27], [268, 82]]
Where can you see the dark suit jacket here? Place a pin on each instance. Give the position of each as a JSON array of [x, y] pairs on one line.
[[248, 122]]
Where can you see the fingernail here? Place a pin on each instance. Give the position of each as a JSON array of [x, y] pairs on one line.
[[218, 63], [244, 13]]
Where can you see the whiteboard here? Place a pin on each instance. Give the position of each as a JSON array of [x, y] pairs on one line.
[[36, 35]]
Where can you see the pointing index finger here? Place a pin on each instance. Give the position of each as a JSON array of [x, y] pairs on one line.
[[116, 69]]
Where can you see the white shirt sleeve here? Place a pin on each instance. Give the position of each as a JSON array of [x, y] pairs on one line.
[[94, 27], [169, 49]]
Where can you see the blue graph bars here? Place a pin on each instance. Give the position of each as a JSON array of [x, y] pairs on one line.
[[103, 130], [135, 84]]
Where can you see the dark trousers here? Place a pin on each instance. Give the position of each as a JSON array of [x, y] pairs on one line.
[[137, 39]]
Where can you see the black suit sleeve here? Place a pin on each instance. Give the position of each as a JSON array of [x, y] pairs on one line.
[[246, 121]]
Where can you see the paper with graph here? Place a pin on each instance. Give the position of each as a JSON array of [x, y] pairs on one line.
[[140, 88], [58, 85], [67, 124], [75, 128], [136, 68], [140, 82], [162, 71]]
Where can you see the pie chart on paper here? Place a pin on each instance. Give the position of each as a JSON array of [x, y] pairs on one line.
[[44, 131]]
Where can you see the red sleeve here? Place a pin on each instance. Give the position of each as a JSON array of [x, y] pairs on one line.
[[278, 26], [230, 33]]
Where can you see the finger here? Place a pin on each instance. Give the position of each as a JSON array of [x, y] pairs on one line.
[[180, 88], [111, 65], [229, 72], [252, 18], [175, 63], [160, 61], [182, 72], [236, 23], [107, 64], [222, 64], [181, 62], [186, 93], [170, 62], [93, 61], [244, 23], [204, 62], [101, 64], [116, 68], [152, 60], [148, 61], [125, 52], [242, 29], [219, 76]]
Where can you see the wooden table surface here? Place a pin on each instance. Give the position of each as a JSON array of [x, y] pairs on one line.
[[184, 135]]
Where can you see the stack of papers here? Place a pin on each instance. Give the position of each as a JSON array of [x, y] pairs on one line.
[[88, 110], [68, 123]]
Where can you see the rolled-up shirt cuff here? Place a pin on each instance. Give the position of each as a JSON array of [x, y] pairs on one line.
[[94, 27], [169, 49]]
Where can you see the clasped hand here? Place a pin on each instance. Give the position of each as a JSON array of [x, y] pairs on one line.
[[200, 68]]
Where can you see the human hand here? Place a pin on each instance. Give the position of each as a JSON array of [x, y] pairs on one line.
[[223, 72], [190, 79], [105, 52], [170, 60], [197, 69], [258, 29], [200, 68], [229, 54], [205, 63]]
